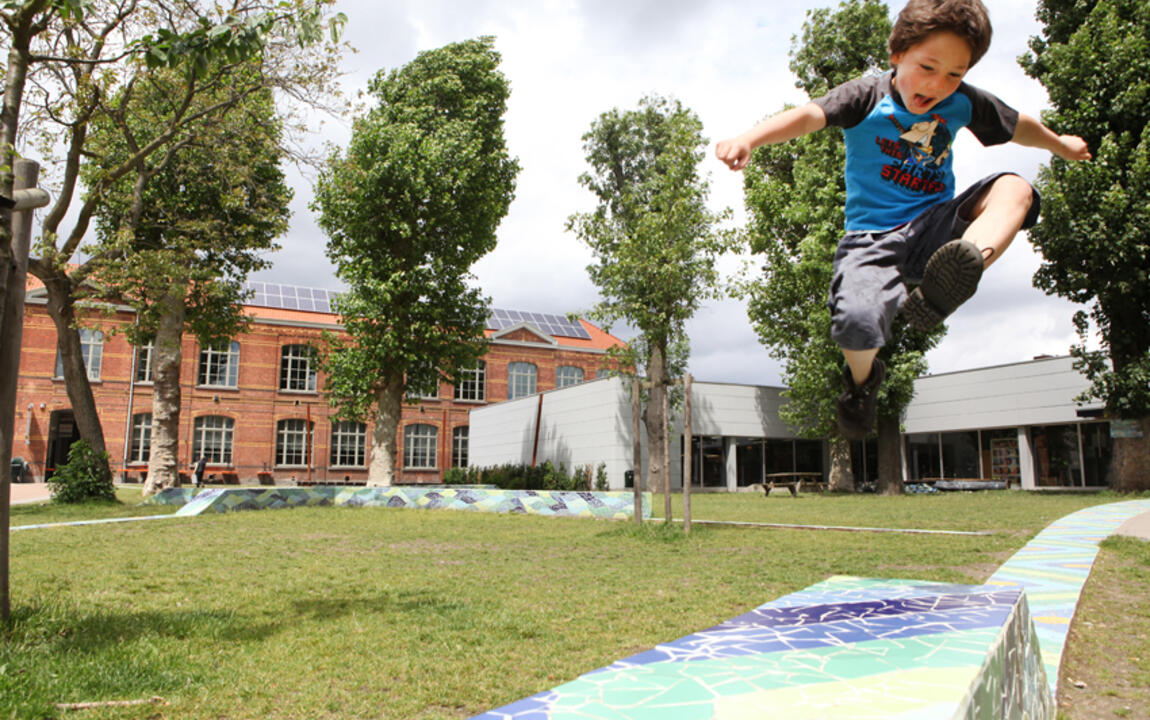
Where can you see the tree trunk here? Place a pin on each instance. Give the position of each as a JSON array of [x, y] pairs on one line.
[[841, 479], [384, 450], [167, 356], [63, 312], [1130, 471], [658, 479], [889, 456]]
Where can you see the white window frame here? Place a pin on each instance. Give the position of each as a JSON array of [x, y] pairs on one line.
[[472, 384], [296, 372], [91, 350], [568, 375], [348, 439], [140, 448], [420, 446], [144, 355], [213, 436], [215, 362], [521, 379], [460, 446], [293, 442]]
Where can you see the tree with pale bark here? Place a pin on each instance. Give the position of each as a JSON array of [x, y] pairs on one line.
[[411, 204], [655, 241], [184, 231]]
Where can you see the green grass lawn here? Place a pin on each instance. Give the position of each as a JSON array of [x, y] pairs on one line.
[[377, 613]]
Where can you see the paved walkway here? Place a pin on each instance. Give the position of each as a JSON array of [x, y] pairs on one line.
[[27, 493]]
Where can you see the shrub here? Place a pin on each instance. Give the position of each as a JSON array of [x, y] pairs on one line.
[[455, 476], [84, 478], [601, 483]]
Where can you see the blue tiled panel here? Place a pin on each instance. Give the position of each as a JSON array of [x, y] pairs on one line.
[[608, 505]]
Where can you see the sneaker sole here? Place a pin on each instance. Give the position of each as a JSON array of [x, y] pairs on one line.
[[950, 279]]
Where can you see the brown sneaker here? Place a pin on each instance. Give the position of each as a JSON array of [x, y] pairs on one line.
[[951, 277], [858, 404]]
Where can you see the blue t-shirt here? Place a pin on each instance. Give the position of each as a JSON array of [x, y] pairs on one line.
[[900, 163]]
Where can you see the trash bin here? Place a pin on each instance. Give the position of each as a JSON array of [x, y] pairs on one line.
[[19, 469], [628, 478]]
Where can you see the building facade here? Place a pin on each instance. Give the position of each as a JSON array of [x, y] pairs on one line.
[[1017, 424], [255, 406]]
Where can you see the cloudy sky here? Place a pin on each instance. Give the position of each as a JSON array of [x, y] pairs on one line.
[[570, 60]]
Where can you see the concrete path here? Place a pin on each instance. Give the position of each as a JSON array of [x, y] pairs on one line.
[[27, 493]]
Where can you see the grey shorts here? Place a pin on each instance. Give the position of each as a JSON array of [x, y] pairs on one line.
[[872, 269]]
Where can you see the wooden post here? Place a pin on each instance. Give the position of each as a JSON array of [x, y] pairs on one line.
[[666, 459], [636, 452], [25, 198], [687, 441]]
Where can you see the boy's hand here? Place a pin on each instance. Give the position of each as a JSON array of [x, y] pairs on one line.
[[1073, 148], [735, 153]]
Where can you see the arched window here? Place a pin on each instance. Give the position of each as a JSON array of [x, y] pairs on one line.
[[348, 442], [292, 442], [212, 437], [472, 383], [92, 350], [567, 375], [140, 449], [520, 380], [297, 371], [220, 366], [459, 446], [419, 442]]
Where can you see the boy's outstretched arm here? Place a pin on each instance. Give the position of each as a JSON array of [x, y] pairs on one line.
[[1032, 133], [736, 152]]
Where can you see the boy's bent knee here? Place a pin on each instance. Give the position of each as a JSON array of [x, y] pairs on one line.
[[1013, 189]]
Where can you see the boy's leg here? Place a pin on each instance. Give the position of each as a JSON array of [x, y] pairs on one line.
[[997, 216], [993, 212]]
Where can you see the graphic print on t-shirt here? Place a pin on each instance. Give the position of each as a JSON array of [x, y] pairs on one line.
[[919, 153]]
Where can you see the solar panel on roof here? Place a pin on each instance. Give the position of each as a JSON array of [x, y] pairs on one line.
[[556, 325]]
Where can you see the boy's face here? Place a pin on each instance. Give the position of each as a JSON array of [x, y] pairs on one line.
[[931, 70]]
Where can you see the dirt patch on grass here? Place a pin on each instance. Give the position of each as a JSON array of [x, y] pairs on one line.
[[1106, 665]]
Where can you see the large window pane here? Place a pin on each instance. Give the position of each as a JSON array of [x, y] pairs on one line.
[[419, 443], [91, 350], [459, 446], [212, 437], [568, 375], [140, 449], [520, 380], [960, 455], [472, 384], [348, 440], [220, 367], [292, 444], [296, 371]]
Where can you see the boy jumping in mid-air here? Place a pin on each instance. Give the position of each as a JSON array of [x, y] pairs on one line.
[[902, 215]]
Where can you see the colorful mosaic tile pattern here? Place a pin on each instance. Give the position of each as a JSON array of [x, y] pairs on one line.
[[607, 505], [846, 647], [1054, 566], [172, 496]]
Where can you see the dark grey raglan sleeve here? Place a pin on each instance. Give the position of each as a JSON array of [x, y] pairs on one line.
[[992, 121], [848, 104]]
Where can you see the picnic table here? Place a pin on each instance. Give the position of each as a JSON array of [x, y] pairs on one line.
[[793, 481]]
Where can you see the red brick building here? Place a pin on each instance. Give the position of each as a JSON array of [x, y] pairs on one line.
[[256, 409]]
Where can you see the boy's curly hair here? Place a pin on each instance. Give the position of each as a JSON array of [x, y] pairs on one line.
[[920, 18]]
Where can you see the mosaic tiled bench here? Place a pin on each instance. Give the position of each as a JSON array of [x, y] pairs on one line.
[[846, 647], [864, 648], [608, 505]]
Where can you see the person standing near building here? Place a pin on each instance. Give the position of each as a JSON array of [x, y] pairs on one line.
[[198, 472]]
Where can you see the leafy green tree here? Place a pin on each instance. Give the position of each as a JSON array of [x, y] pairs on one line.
[[80, 61], [184, 230], [654, 240], [408, 208], [1094, 59], [795, 195]]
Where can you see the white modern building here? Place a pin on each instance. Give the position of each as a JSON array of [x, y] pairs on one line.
[[1018, 424]]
